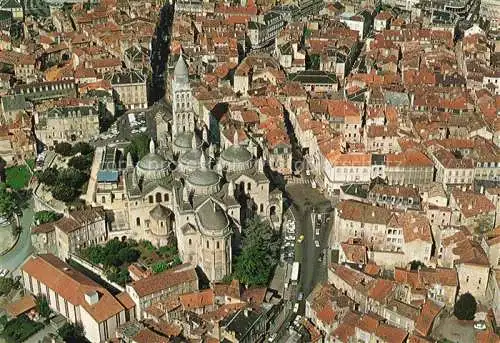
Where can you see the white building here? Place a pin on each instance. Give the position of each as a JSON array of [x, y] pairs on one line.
[[76, 297]]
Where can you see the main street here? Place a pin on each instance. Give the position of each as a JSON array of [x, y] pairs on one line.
[[306, 203]]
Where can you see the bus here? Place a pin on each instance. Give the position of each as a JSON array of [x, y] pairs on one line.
[[295, 273]]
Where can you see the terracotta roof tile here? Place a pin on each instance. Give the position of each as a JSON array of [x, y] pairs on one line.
[[164, 280], [424, 322], [72, 285]]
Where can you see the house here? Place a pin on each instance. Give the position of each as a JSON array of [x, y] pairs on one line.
[[129, 87], [410, 167], [76, 297], [22, 64], [470, 261], [439, 284], [473, 210], [316, 81], [67, 124], [244, 326], [76, 230], [176, 281]]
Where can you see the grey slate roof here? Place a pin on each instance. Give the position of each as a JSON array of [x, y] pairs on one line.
[[16, 102], [314, 76], [212, 216]]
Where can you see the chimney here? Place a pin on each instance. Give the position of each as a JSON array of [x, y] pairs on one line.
[[91, 297]]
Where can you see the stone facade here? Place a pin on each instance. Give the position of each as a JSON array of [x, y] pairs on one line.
[[75, 230]]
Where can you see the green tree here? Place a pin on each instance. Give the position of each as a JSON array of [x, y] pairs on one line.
[[138, 147], [42, 217], [9, 204], [159, 267], [128, 255], [64, 149], [414, 265], [64, 193], [49, 176], [42, 307], [83, 148], [72, 177], [80, 162], [72, 333], [465, 307], [6, 284], [259, 254]]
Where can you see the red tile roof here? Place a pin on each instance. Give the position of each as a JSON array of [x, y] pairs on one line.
[[72, 285]]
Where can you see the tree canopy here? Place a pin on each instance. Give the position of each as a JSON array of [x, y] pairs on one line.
[[260, 253], [42, 217], [465, 307], [81, 162], [42, 307], [9, 202], [72, 333], [64, 149], [49, 176], [138, 147], [82, 148]]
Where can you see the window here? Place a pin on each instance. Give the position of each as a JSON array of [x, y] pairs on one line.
[[138, 221], [249, 186], [165, 197], [218, 247], [261, 208], [190, 241], [151, 199], [103, 199], [208, 244], [158, 197]]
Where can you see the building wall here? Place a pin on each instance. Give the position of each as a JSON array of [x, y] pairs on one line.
[[133, 96], [67, 129], [473, 279]]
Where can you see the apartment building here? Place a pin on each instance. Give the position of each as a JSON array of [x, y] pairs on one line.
[[129, 87]]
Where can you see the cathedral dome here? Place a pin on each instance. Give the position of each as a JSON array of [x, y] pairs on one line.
[[203, 178], [152, 166], [190, 160], [212, 217], [236, 157], [236, 154], [184, 141]]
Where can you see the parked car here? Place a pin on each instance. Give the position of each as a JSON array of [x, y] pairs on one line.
[[296, 308], [4, 272], [316, 243], [317, 232], [272, 338], [301, 238], [300, 296], [480, 325]]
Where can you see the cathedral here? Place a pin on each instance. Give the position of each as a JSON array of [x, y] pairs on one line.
[[189, 191]]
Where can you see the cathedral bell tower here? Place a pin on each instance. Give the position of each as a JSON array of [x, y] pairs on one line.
[[182, 104]]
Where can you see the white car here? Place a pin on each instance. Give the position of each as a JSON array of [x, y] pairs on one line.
[[480, 325], [4, 272], [296, 308], [272, 338], [317, 232], [297, 320], [316, 243]]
